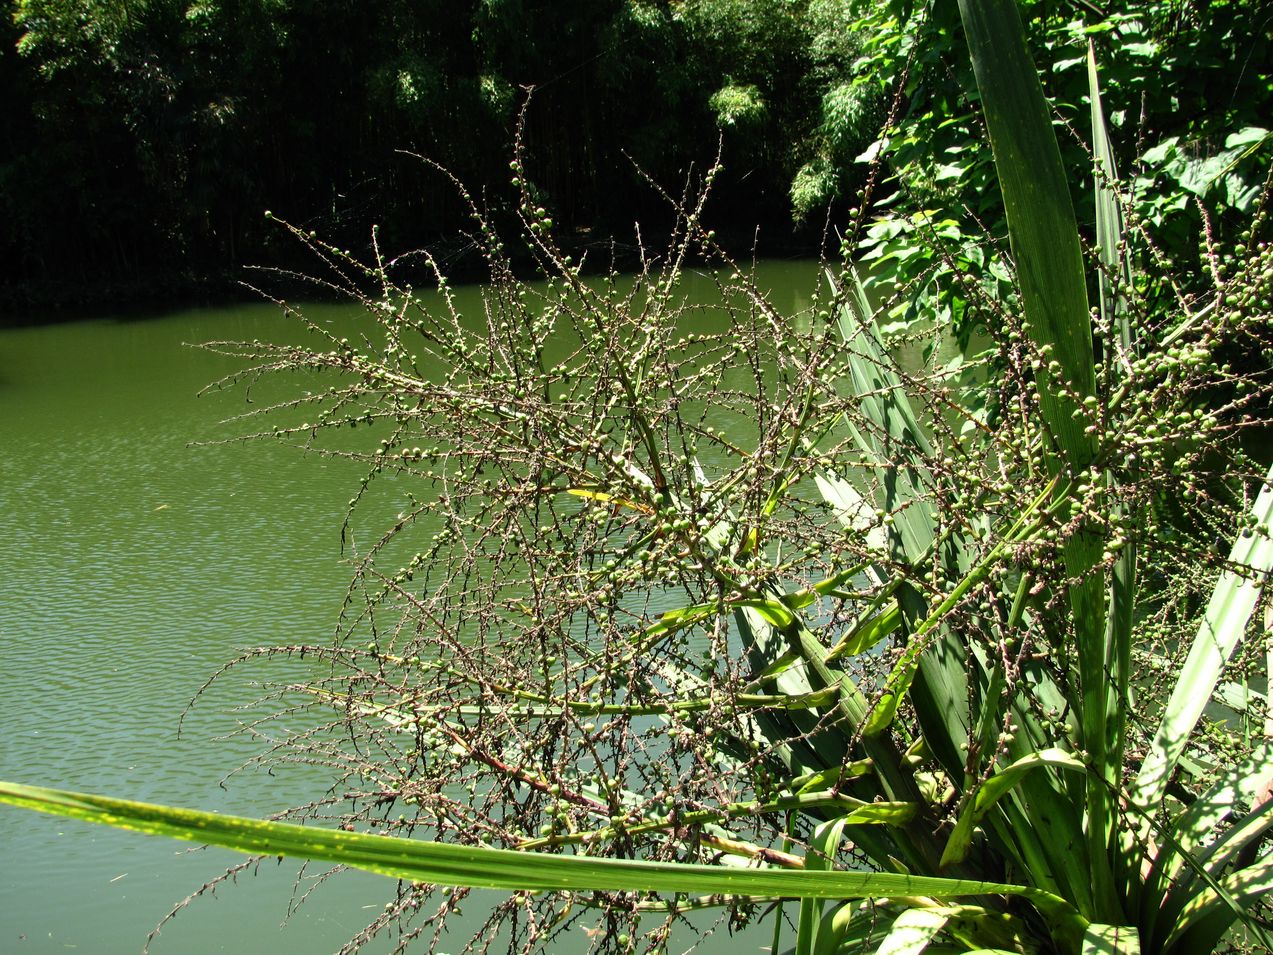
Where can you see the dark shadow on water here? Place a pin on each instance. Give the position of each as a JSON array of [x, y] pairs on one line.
[[143, 298], [131, 301]]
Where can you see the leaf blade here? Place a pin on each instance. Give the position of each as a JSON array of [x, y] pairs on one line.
[[1232, 602], [484, 867]]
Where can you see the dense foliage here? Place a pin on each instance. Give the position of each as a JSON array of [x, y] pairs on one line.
[[146, 138], [142, 139], [1192, 92]]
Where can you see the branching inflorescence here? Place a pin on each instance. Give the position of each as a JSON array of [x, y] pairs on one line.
[[666, 571]]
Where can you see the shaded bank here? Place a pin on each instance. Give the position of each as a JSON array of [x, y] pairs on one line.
[[141, 141]]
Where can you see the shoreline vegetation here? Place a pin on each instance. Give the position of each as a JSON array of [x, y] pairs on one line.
[[143, 139], [970, 658]]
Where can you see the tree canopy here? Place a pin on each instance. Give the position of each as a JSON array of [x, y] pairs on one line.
[[143, 139]]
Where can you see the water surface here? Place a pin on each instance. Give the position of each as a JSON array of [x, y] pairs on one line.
[[136, 564]]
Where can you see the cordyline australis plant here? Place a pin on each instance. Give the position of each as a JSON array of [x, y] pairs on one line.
[[725, 618]]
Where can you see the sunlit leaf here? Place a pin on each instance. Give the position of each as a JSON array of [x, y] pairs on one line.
[[482, 867], [1227, 615], [913, 930], [1110, 940]]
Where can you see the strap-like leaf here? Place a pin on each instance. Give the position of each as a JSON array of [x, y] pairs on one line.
[[1049, 263], [903, 672], [1114, 277], [1110, 940], [481, 867], [1189, 849], [913, 930], [867, 633], [994, 789], [1242, 784], [899, 447], [1209, 914], [1114, 282], [1228, 613], [1041, 224], [835, 926], [823, 846]]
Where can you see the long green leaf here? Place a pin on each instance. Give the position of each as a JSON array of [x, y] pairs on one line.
[[1245, 831], [481, 867], [1114, 276], [904, 671], [1041, 225], [1000, 784], [1045, 243], [806, 746], [899, 448], [1243, 784], [859, 927], [835, 926], [1110, 940], [867, 634], [851, 509], [1193, 846], [1209, 914], [994, 789], [823, 846], [1228, 613], [913, 930], [1114, 280]]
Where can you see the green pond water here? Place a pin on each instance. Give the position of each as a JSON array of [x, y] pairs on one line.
[[135, 565]]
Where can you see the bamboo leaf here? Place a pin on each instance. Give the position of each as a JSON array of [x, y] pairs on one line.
[[896, 441], [794, 738], [882, 813], [862, 928], [673, 620], [1244, 832], [903, 673], [885, 709], [851, 509]]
